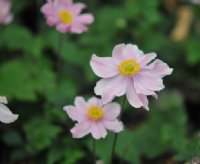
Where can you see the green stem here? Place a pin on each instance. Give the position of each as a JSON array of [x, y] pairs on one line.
[[59, 50], [116, 134], [94, 150]]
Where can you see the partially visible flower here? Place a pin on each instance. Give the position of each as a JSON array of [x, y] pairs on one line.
[[129, 71], [66, 16], [6, 116], [5, 15], [94, 117]]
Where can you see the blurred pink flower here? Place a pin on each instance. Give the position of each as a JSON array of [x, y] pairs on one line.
[[6, 116], [129, 71], [5, 15], [94, 117], [66, 16]]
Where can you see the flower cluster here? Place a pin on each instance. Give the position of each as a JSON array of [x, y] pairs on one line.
[[5, 15], [66, 16], [128, 72]]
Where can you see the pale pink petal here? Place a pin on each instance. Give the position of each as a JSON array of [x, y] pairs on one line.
[[104, 66], [6, 116], [81, 129], [114, 126], [140, 89], [8, 19], [81, 104], [112, 111], [64, 2], [94, 101], [110, 87], [117, 53], [98, 131], [47, 9], [62, 28], [131, 52], [75, 114], [85, 18], [132, 97], [78, 28], [77, 8], [145, 59], [160, 68], [149, 81], [3, 100], [145, 101]]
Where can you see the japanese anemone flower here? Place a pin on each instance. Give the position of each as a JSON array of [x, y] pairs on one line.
[[5, 15], [6, 116], [94, 117], [66, 16], [129, 71]]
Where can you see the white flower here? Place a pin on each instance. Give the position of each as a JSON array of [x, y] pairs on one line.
[[6, 116]]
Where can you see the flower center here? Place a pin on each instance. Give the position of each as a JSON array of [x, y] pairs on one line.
[[95, 113], [66, 17], [129, 67]]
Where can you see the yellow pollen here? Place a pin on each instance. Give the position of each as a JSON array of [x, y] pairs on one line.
[[95, 113], [66, 17], [129, 67]]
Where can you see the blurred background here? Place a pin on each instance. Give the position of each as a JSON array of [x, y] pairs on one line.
[[38, 81]]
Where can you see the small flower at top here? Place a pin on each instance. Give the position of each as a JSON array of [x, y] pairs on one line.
[[6, 116], [5, 16], [94, 117], [66, 16], [129, 71]]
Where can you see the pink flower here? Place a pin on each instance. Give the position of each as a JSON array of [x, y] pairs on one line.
[[94, 117], [5, 15], [129, 71], [6, 116], [66, 16]]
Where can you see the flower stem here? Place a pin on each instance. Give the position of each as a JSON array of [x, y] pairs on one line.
[[59, 49], [94, 150], [116, 134]]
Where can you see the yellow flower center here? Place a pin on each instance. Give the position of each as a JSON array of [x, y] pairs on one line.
[[95, 113], [129, 67], [66, 17]]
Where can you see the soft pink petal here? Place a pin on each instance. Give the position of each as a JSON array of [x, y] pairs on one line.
[[62, 28], [81, 129], [145, 101], [64, 2], [160, 68], [47, 9], [78, 28], [94, 101], [111, 87], [131, 52], [8, 19], [81, 104], [140, 89], [117, 53], [145, 59], [6, 116], [114, 126], [132, 96], [149, 81], [86, 18], [112, 111], [104, 66], [75, 114], [98, 131], [78, 7]]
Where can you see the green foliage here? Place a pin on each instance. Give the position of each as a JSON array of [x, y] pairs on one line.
[[42, 70]]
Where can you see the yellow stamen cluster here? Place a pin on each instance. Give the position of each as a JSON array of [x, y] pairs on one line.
[[95, 113], [66, 17], [129, 67]]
